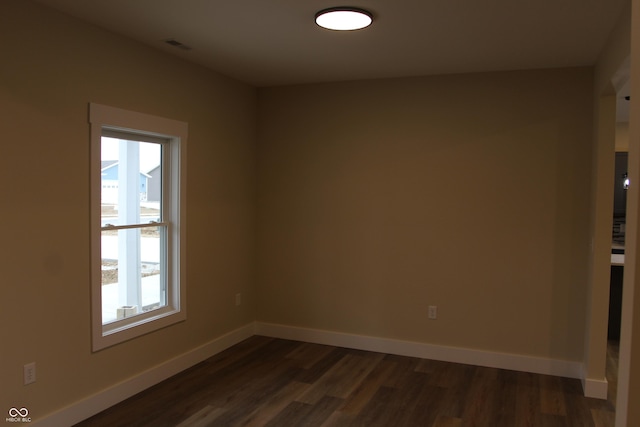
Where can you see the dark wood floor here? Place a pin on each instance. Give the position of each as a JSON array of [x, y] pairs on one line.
[[273, 382]]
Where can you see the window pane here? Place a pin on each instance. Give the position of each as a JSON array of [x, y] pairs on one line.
[[131, 182], [133, 272]]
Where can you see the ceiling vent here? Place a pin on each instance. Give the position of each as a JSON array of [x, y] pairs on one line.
[[177, 44]]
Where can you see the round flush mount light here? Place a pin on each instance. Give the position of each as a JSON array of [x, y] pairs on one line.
[[344, 18]]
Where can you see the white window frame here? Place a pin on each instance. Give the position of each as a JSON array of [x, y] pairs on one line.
[[116, 120]]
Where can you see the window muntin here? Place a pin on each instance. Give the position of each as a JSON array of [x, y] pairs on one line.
[[137, 234]]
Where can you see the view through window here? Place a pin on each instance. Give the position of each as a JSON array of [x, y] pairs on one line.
[[133, 263]]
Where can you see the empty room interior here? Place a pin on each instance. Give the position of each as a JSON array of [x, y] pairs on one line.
[[448, 183]]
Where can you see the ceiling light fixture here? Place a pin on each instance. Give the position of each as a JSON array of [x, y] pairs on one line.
[[344, 18]]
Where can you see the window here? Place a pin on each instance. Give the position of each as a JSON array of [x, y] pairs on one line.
[[138, 224]]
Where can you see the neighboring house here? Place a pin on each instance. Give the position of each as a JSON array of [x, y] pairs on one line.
[[109, 172], [153, 187]]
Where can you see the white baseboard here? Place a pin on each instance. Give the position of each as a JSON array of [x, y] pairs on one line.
[[106, 398], [598, 389], [489, 359]]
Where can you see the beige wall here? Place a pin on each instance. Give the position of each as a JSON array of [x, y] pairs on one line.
[[622, 136], [469, 192], [52, 67]]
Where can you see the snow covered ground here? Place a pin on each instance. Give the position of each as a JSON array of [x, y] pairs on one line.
[[150, 253]]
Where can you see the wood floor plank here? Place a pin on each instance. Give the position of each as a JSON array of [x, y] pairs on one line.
[[342, 379], [481, 399], [340, 419], [602, 418], [202, 418], [273, 382], [613, 355], [400, 405], [456, 394], [577, 406], [505, 388], [368, 387], [527, 404], [551, 396], [427, 406], [404, 366], [428, 366], [272, 406], [446, 421], [309, 354], [550, 420], [381, 410], [318, 369], [446, 375], [304, 414], [261, 393]]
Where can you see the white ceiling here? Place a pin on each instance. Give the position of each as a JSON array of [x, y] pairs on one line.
[[276, 42]]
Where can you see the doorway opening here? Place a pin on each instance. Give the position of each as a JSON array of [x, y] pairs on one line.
[[618, 235]]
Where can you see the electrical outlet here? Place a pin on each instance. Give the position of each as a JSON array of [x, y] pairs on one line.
[[238, 299], [433, 312], [29, 371]]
